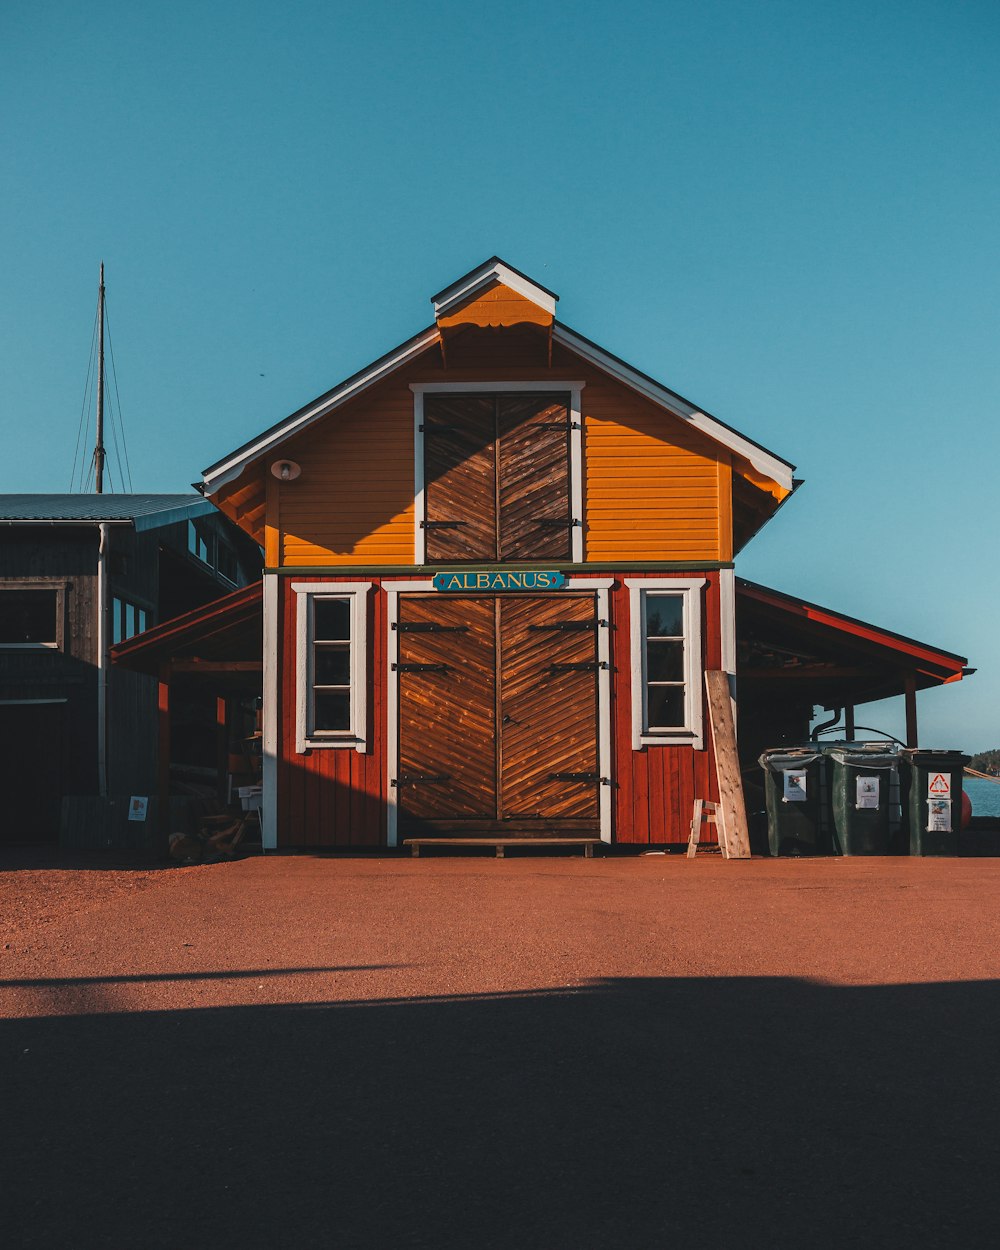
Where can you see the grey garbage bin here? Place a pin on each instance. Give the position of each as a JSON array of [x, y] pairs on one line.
[[797, 800], [864, 798], [932, 800]]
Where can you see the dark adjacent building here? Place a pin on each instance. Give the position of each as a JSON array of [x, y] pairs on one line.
[[79, 573]]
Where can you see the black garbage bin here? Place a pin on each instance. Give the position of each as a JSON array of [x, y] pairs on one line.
[[932, 800], [864, 793], [797, 799]]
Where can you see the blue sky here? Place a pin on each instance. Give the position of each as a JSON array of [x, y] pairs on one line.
[[786, 211]]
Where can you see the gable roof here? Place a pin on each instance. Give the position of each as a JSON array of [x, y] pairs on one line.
[[764, 461], [487, 274], [143, 512]]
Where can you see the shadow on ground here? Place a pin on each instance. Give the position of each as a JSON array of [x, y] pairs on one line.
[[686, 1113]]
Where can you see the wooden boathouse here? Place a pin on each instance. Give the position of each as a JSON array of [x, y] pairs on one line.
[[499, 562]]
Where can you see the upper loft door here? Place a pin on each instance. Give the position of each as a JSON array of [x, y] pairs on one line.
[[497, 477]]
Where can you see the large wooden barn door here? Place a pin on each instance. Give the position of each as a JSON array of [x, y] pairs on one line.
[[548, 681], [447, 709], [496, 478], [498, 715]]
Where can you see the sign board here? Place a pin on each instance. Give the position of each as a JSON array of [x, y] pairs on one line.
[[795, 785], [137, 806], [939, 816], [867, 793], [939, 786], [545, 580]]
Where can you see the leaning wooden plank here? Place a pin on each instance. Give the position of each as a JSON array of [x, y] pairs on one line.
[[731, 816]]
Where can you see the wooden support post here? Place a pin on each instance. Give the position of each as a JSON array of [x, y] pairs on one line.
[[849, 722], [222, 748], [731, 815], [911, 711], [163, 749]]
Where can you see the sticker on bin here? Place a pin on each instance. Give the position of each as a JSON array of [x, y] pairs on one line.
[[939, 786], [939, 816], [867, 794], [795, 785]]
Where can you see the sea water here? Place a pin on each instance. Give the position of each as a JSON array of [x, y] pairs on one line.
[[985, 796]]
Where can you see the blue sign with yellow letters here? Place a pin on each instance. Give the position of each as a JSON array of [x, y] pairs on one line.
[[545, 580]]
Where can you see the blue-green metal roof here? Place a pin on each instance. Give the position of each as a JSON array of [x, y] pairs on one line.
[[145, 512]]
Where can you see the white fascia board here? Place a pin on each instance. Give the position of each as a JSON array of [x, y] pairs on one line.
[[770, 466], [228, 470], [496, 272]]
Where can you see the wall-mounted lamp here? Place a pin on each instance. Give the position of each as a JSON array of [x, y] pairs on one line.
[[286, 470]]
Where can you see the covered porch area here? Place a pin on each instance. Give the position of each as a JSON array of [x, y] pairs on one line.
[[209, 667]]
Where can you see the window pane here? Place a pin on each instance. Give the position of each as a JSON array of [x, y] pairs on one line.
[[227, 562], [333, 710], [130, 620], [27, 616], [333, 666], [332, 622], [664, 616], [116, 619], [665, 661], [142, 619], [666, 707]]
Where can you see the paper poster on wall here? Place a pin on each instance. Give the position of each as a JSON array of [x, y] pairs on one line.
[[939, 816], [867, 794], [795, 785], [137, 807]]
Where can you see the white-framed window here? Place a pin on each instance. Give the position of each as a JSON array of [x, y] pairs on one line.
[[331, 666], [666, 661]]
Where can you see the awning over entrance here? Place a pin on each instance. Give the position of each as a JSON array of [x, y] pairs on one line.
[[216, 650], [223, 637], [795, 655]]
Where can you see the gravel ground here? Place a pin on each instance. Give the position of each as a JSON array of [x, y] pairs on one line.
[[530, 1052]]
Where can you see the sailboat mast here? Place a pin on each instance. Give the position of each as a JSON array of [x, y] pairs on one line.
[[99, 448]]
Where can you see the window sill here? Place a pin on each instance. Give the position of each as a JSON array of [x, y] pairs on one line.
[[670, 738]]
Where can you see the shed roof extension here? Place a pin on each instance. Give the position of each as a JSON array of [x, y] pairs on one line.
[[142, 512]]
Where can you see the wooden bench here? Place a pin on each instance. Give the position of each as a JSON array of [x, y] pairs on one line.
[[588, 844]]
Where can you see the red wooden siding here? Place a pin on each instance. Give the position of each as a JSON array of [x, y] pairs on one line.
[[656, 787], [336, 796], [331, 796]]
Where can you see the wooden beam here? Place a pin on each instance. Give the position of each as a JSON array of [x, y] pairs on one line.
[[731, 816], [221, 746], [804, 672], [163, 749], [910, 695], [218, 666]]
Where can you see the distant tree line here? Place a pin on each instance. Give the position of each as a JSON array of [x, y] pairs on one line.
[[988, 761]]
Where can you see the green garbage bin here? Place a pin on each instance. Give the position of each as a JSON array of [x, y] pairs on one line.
[[865, 795], [797, 800], [932, 800]]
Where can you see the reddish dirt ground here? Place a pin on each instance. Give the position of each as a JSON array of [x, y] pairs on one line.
[[530, 1052]]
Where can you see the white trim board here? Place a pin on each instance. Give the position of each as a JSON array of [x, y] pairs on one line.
[[692, 733], [575, 391], [269, 714], [357, 735], [483, 277]]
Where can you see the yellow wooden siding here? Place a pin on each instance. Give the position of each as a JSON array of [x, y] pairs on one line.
[[353, 503], [499, 306], [654, 488]]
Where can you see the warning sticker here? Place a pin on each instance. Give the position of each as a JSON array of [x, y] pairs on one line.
[[939, 816], [795, 785], [939, 786], [867, 795]]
